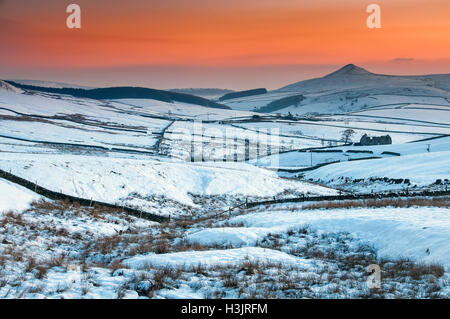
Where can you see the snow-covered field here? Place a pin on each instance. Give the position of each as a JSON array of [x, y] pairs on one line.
[[302, 159], [14, 197], [139, 183], [420, 170], [417, 233]]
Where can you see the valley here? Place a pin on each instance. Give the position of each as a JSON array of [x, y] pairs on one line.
[[237, 190]]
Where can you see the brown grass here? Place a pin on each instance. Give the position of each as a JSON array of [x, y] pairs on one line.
[[421, 269], [61, 207], [41, 272], [229, 280], [406, 267], [161, 247], [251, 267], [16, 254], [57, 261], [31, 264], [23, 118], [11, 218], [377, 203], [117, 264], [158, 281]]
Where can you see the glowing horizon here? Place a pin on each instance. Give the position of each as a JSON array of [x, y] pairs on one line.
[[233, 44]]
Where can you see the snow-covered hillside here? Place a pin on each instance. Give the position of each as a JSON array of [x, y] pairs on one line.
[[47, 84], [350, 89], [6, 87], [302, 159], [14, 197], [395, 232], [141, 183], [417, 170], [79, 124], [209, 93], [353, 77]]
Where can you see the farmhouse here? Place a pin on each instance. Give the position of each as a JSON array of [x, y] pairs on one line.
[[375, 140]]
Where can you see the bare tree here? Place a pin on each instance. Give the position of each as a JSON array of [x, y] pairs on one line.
[[347, 135]]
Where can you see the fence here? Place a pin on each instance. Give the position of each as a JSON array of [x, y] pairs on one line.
[[73, 199], [349, 197]]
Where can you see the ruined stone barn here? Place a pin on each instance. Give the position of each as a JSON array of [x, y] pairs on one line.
[[375, 140]]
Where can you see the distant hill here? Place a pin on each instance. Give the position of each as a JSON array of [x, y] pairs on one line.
[[349, 89], [355, 77], [48, 84], [235, 95], [280, 104], [4, 86], [125, 92], [209, 93]]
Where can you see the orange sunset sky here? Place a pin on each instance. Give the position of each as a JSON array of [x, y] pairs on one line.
[[237, 44]]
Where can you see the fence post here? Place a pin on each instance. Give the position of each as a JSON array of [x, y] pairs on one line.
[[192, 152], [235, 149], [247, 150]]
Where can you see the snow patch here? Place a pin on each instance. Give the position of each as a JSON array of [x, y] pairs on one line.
[[418, 233], [212, 258], [234, 236], [15, 197]]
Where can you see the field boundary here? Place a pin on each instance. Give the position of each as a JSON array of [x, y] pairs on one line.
[[348, 197], [73, 199], [157, 218]]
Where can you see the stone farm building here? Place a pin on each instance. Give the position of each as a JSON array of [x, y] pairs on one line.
[[375, 140]]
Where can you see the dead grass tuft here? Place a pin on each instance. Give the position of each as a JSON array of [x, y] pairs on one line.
[[416, 271], [442, 202]]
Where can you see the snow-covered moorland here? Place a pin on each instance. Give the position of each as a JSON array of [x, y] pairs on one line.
[[136, 153], [162, 186], [278, 252]]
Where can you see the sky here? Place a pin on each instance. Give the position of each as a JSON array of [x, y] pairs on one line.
[[236, 44]]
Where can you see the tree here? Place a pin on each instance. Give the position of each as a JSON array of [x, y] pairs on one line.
[[347, 135]]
